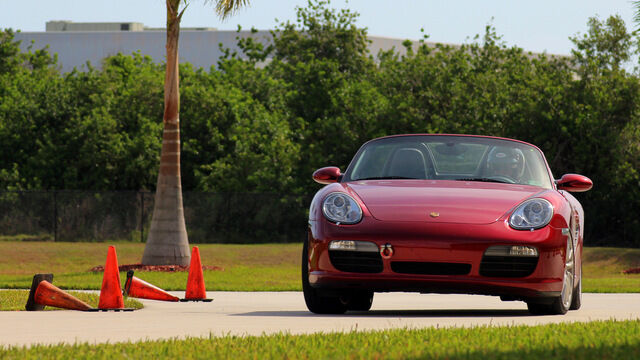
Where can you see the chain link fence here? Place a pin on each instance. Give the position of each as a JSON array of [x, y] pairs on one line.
[[126, 215]]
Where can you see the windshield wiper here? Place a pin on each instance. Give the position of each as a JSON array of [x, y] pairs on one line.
[[484, 180], [387, 177]]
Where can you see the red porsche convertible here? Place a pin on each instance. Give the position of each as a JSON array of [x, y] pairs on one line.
[[445, 214]]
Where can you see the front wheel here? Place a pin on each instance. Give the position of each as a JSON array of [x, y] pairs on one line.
[[561, 304], [316, 301], [577, 295]]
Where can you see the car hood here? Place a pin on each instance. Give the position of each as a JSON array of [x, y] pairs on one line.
[[440, 201]]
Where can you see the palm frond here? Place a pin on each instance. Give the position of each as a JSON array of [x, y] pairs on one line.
[[225, 8], [636, 15]]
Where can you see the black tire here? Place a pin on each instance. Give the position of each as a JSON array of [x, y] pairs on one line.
[[561, 304], [316, 301], [576, 302], [360, 301]]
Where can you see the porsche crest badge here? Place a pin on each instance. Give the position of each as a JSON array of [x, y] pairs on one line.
[[434, 214]]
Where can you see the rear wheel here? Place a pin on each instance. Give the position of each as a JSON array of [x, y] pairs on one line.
[[561, 304], [318, 302]]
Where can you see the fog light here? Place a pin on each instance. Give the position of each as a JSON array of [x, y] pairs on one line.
[[516, 250], [523, 251], [350, 245]]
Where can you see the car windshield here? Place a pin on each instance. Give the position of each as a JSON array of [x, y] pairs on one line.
[[464, 158]]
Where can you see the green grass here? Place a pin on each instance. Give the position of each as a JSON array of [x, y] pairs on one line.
[[270, 267], [15, 300], [265, 267], [25, 237], [603, 268], [594, 340]]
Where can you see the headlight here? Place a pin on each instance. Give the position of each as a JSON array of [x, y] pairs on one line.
[[531, 214], [341, 208]]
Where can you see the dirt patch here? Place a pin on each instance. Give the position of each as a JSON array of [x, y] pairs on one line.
[[162, 268], [632, 271]]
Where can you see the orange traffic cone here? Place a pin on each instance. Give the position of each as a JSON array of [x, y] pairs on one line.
[[195, 282], [111, 293], [44, 293], [137, 288]]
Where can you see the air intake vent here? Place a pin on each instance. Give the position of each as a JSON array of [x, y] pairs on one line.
[[430, 268], [356, 261], [508, 266]]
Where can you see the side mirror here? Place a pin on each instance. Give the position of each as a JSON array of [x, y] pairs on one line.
[[327, 175], [574, 183]]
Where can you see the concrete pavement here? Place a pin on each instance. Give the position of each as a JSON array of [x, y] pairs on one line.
[[257, 313]]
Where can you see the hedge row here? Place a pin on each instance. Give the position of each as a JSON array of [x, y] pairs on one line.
[[251, 127]]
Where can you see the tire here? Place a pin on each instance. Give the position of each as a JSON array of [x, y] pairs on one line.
[[360, 301], [561, 304], [576, 302], [316, 301]]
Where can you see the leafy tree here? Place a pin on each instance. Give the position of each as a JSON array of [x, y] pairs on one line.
[[606, 46], [13, 60], [258, 126], [9, 52], [244, 143], [29, 82], [605, 143], [127, 94], [321, 57]]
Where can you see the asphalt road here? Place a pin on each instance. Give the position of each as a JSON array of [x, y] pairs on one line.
[[245, 313]]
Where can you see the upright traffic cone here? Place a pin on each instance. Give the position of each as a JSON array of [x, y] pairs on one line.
[[44, 293], [137, 288], [111, 293], [196, 290]]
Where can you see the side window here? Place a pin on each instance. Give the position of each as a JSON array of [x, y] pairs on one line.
[[535, 173]]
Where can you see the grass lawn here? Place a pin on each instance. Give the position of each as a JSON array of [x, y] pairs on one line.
[[15, 300], [246, 267], [594, 340], [603, 268], [264, 267]]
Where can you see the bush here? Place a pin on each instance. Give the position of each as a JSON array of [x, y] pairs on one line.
[[256, 127]]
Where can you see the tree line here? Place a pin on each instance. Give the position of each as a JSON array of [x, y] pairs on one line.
[[264, 119]]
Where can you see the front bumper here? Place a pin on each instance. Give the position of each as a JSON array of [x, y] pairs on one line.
[[454, 244]]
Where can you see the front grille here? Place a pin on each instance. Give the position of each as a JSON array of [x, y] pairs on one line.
[[356, 261], [430, 268], [508, 266]]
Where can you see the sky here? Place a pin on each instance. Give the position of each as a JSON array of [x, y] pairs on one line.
[[539, 26]]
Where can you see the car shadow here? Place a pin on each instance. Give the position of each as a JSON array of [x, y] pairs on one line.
[[440, 313]]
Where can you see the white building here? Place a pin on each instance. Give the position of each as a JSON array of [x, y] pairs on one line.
[[79, 43]]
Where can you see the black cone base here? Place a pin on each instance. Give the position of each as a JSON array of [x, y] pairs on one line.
[[37, 279]]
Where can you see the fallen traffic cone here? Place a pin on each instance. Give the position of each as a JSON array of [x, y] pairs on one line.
[[111, 293], [44, 293], [196, 290], [137, 288]]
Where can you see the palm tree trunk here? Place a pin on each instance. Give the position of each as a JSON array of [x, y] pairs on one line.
[[167, 243]]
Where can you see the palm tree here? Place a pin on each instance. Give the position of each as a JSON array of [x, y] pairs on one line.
[[636, 16], [167, 242]]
